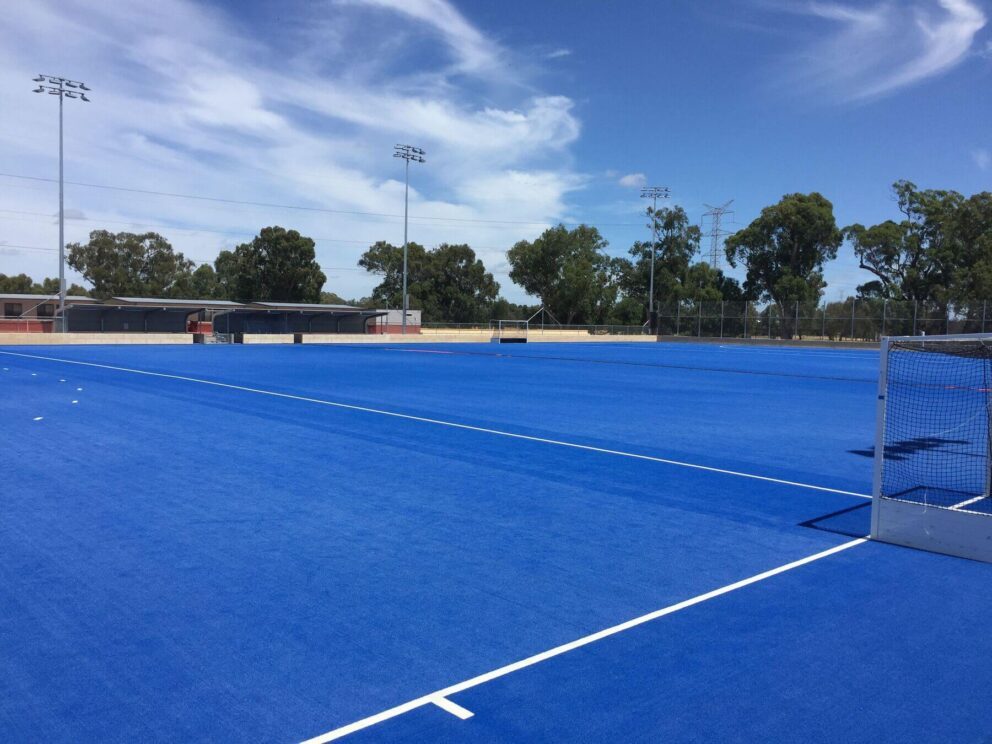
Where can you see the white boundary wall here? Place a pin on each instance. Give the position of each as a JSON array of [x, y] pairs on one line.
[[61, 339]]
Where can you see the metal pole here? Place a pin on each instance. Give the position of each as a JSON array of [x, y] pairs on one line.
[[722, 304], [746, 304], [406, 212], [915, 306], [63, 88], [854, 304], [61, 227], [795, 331], [407, 153], [823, 323], [984, 308], [885, 307], [652, 321], [880, 411], [653, 193], [699, 318]]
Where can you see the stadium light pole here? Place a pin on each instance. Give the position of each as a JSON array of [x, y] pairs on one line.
[[407, 153], [63, 88], [654, 193]]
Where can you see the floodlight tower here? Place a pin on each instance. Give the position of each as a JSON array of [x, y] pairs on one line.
[[717, 233], [63, 88], [407, 153], [654, 193]]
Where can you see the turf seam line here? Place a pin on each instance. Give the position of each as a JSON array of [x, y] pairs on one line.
[[441, 422], [454, 689]]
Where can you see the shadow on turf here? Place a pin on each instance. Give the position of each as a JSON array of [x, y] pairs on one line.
[[903, 450], [854, 521]]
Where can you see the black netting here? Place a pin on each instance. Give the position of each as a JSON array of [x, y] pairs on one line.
[[937, 414]]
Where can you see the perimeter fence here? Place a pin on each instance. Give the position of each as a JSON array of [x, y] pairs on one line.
[[848, 320], [538, 329]]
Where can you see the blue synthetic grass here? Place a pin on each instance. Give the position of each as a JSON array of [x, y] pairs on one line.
[[189, 562]]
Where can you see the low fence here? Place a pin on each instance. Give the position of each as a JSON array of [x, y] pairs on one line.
[[26, 325]]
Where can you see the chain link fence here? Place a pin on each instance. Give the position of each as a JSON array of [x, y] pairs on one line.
[[537, 329], [849, 320]]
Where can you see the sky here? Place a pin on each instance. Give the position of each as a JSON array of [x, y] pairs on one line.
[[210, 120]]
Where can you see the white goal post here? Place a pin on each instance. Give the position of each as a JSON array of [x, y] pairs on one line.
[[508, 331], [933, 446]]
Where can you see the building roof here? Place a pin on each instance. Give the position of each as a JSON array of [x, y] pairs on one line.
[[313, 307], [46, 298], [163, 302]]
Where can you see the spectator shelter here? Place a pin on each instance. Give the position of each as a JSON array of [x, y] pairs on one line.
[[293, 317], [38, 313], [142, 315]]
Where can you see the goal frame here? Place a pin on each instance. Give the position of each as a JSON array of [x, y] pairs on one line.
[[497, 330], [966, 534]]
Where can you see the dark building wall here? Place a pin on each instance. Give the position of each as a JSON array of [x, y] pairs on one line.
[[125, 320], [288, 323]]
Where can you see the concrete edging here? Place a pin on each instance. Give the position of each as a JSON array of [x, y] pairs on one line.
[[71, 339]]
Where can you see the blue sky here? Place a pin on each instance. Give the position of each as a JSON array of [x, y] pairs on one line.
[[530, 112]]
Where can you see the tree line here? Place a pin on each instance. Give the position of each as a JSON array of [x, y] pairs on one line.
[[938, 252]]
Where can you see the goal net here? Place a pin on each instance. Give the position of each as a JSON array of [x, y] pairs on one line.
[[508, 331], [933, 452]]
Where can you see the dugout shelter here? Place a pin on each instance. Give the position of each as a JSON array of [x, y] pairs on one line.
[[294, 317]]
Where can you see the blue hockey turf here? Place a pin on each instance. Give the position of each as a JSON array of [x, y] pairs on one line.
[[272, 543]]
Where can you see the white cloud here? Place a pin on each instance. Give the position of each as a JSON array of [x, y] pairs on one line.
[[633, 180], [875, 49], [558, 54], [982, 158], [474, 51], [184, 102]]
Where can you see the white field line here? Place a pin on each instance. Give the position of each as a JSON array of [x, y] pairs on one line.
[[969, 502], [440, 422], [453, 708], [399, 710]]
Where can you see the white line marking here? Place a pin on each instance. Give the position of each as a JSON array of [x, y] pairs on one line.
[[399, 710], [75, 401], [452, 424], [453, 708], [38, 418], [61, 380], [969, 502]]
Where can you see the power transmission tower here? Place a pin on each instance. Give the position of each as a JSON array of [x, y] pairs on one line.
[[717, 233]]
